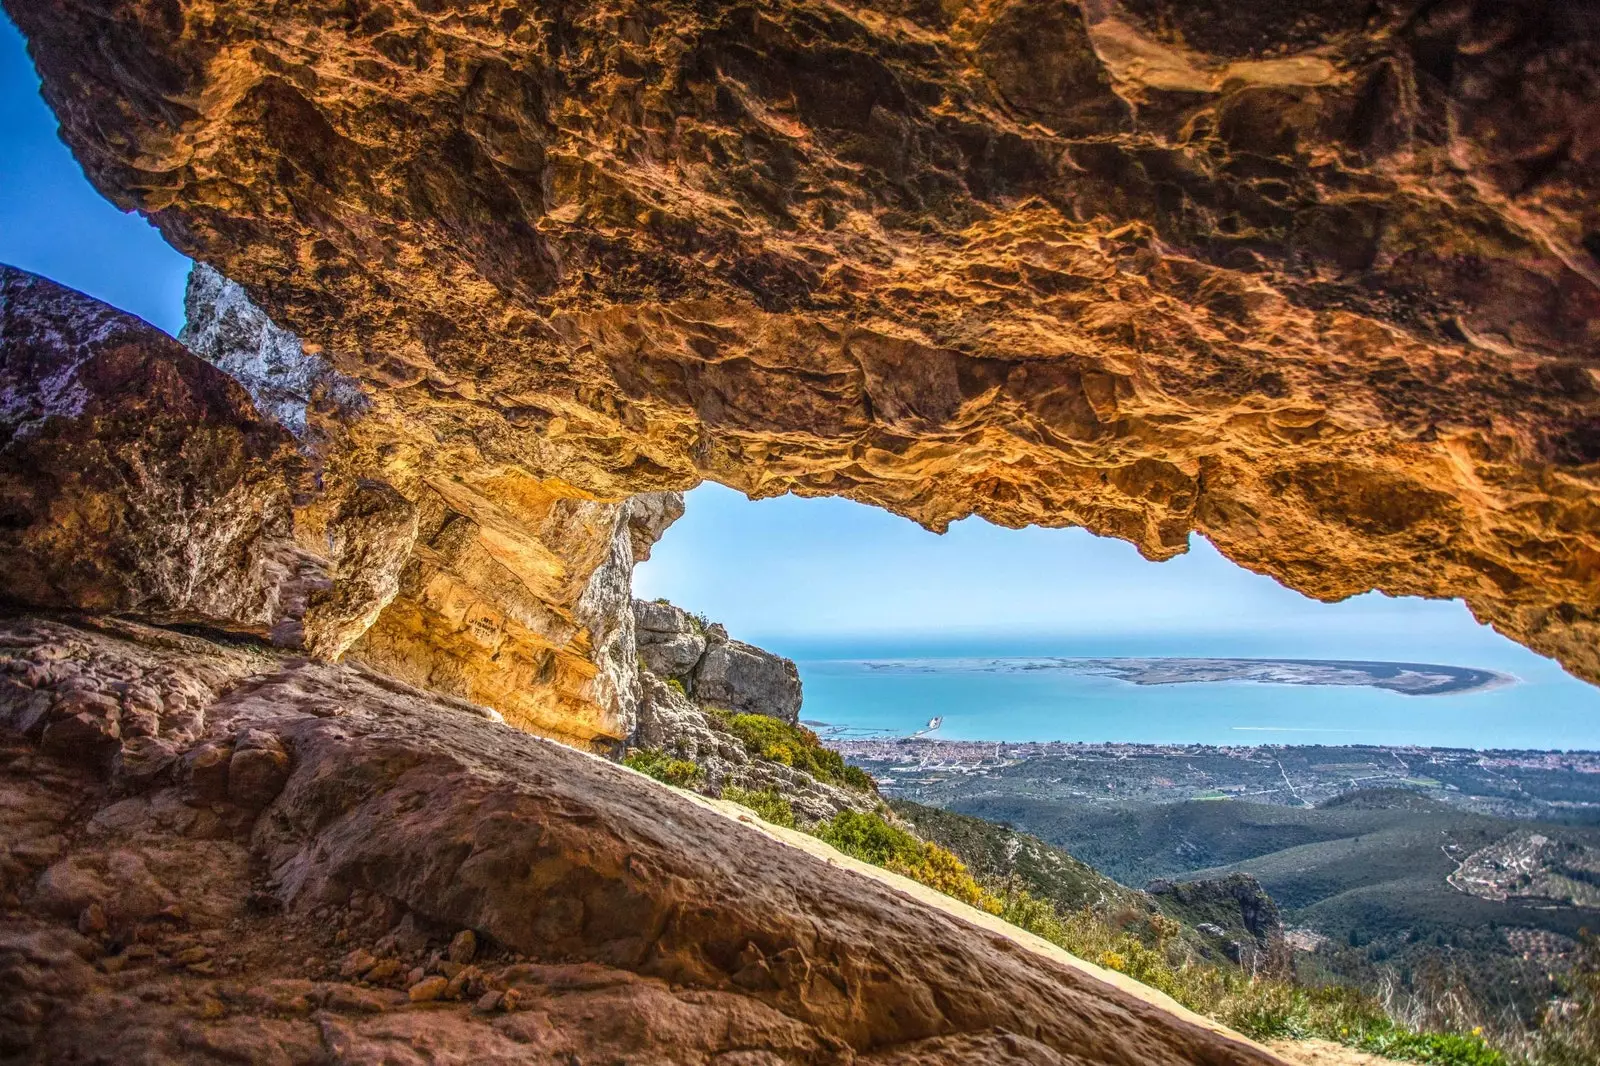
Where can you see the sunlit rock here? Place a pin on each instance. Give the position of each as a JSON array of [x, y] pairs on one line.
[[133, 477], [1320, 284]]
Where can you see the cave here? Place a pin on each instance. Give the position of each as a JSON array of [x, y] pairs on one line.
[[329, 606]]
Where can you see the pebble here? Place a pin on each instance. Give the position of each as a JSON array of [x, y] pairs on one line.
[[385, 970], [357, 963], [489, 1002], [428, 989], [463, 947]]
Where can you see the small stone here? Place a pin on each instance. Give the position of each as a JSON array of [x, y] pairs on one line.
[[428, 989], [357, 963], [417, 973], [449, 969], [386, 970], [464, 947], [190, 956], [114, 963], [489, 1002], [511, 999], [460, 982], [351, 998], [211, 1009], [341, 938], [92, 920]]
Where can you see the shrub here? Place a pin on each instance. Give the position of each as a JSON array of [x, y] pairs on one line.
[[677, 686], [857, 778], [663, 767], [766, 803], [793, 745], [871, 839]]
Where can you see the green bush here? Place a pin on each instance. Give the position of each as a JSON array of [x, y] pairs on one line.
[[767, 803], [677, 686], [663, 767], [793, 745], [871, 839]]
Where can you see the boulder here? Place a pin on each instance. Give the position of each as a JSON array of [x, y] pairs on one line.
[[750, 680], [671, 641], [134, 477], [712, 668], [619, 920]]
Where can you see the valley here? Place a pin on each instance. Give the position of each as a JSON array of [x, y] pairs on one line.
[[1411, 866]]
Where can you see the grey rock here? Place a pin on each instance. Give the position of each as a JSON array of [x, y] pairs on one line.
[[606, 606], [714, 669], [223, 327], [750, 680]]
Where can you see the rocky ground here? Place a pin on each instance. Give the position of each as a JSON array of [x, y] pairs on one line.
[[219, 852]]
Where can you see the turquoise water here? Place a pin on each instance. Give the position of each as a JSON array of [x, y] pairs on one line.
[[1546, 709]]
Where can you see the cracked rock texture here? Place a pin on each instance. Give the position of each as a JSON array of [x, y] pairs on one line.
[[1319, 281], [261, 858], [712, 667], [133, 476]]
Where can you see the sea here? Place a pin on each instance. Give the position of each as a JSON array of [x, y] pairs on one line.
[[847, 695]]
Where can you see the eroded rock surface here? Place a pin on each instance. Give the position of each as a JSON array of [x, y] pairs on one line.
[[487, 583], [1319, 283], [711, 667], [290, 878], [133, 476]]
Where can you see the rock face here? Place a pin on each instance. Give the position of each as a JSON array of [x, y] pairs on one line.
[[137, 479], [1321, 286], [284, 861], [225, 329], [1235, 911], [488, 584], [713, 668], [133, 477]]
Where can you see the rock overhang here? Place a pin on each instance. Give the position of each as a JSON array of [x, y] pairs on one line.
[[1321, 288]]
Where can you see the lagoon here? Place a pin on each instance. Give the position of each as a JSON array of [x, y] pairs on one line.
[[849, 687]]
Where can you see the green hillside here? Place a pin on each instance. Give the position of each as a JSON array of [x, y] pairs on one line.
[[998, 853], [1230, 917], [1370, 871]]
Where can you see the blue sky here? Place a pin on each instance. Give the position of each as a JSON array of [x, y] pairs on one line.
[[792, 570], [54, 223]]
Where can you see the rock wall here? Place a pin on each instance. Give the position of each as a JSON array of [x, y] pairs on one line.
[[1235, 912], [267, 859], [1321, 286]]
